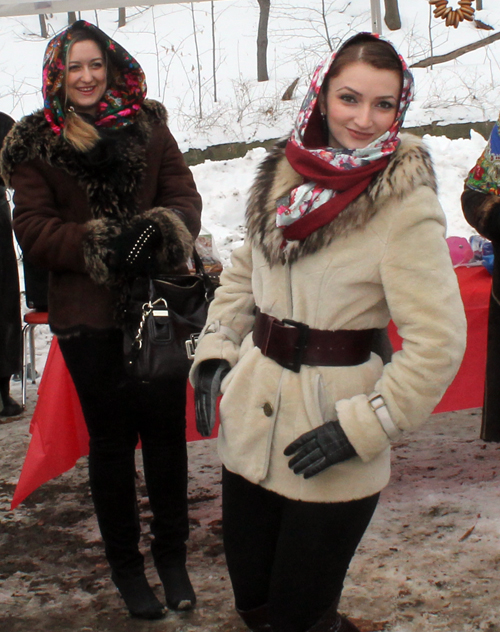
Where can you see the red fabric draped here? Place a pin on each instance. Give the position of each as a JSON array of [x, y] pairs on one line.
[[59, 435]]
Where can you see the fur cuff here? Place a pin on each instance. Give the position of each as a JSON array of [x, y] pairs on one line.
[[96, 250], [176, 249], [177, 240]]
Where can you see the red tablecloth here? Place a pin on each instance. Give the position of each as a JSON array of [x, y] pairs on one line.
[[59, 436], [467, 389]]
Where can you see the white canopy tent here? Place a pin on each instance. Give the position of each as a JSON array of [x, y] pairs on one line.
[[13, 7]]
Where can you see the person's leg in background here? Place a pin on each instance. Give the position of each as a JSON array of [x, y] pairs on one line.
[[162, 413], [10, 406], [95, 362]]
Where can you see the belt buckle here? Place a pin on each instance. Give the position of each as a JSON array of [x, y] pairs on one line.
[[301, 345]]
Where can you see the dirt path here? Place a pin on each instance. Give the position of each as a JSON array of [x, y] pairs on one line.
[[429, 561]]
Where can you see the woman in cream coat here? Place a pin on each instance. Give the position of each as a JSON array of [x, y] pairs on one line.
[[290, 332]]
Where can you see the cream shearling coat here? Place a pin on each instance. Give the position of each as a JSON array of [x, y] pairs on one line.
[[384, 257]]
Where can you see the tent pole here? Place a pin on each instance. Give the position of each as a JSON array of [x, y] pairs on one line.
[[376, 17]]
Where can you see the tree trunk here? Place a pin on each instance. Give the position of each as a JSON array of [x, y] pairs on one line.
[[122, 17], [71, 17], [479, 5], [392, 18], [262, 40]]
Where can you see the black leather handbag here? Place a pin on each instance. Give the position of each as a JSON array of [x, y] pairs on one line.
[[163, 319]]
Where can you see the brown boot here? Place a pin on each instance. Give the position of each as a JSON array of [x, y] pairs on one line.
[[257, 620]]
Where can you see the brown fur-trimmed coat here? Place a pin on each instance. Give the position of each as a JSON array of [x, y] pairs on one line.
[[384, 257], [70, 204]]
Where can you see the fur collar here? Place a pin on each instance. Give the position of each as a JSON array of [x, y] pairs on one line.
[[110, 173], [410, 166]]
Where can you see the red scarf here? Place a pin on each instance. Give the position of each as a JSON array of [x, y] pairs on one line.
[[348, 184]]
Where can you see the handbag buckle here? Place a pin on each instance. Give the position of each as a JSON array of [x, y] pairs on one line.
[[191, 345], [159, 308]]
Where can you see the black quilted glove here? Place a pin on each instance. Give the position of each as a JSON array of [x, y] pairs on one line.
[[318, 449], [207, 388], [134, 249]]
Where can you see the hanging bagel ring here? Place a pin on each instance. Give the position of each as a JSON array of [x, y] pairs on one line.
[[453, 17]]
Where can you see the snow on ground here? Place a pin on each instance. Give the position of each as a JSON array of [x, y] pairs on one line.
[[430, 558]]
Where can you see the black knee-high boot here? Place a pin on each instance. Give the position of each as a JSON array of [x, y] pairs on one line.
[[10, 406], [95, 362], [112, 483], [165, 470]]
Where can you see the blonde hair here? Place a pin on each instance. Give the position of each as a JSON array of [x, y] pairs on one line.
[[82, 135]]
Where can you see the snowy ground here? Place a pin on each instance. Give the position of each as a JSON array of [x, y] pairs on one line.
[[429, 560]]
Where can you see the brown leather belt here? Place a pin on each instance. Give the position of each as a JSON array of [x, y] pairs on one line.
[[292, 344]]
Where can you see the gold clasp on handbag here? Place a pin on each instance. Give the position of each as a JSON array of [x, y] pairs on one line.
[[191, 345]]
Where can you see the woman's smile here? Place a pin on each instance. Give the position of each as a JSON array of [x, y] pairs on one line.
[[357, 135]]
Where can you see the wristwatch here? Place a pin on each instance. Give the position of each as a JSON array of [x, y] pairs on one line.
[[377, 404]]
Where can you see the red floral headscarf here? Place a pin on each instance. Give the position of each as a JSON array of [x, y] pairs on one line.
[[120, 103]]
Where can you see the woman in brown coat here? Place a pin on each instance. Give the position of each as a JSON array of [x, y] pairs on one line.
[[102, 195]]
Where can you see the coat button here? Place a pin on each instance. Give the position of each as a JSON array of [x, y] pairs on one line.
[[268, 409]]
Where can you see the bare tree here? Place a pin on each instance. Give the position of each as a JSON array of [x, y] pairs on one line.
[[214, 69], [198, 63], [262, 74], [392, 17], [323, 14]]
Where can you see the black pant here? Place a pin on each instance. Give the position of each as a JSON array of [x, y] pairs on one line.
[[118, 411], [288, 554]]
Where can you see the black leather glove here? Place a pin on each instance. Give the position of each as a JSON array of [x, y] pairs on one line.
[[134, 249], [207, 388], [318, 449]]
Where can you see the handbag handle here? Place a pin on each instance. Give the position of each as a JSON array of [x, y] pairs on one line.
[[207, 281]]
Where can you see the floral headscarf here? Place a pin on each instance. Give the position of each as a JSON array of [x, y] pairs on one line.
[[485, 176], [120, 103], [324, 168]]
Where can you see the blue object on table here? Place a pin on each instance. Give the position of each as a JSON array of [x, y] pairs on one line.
[[488, 262]]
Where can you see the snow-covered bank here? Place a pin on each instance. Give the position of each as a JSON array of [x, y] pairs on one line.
[[224, 186]]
